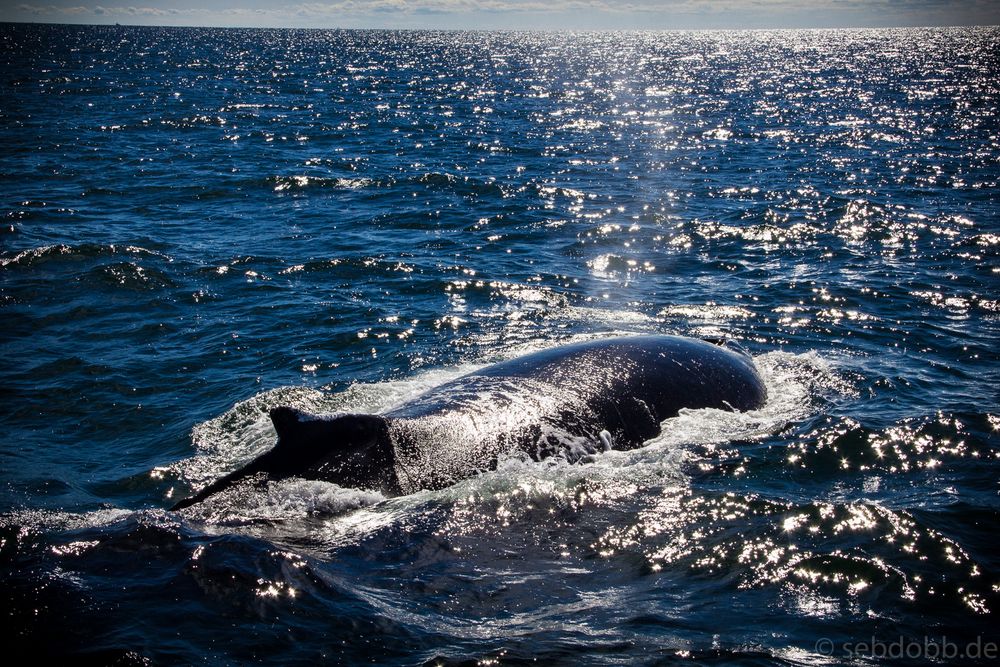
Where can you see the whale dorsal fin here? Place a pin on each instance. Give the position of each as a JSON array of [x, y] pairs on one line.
[[286, 421], [345, 431], [295, 427], [304, 441]]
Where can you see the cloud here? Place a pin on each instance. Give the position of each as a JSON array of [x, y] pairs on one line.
[[99, 10]]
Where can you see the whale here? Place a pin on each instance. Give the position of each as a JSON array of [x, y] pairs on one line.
[[572, 401]]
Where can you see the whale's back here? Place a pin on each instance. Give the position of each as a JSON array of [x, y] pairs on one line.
[[669, 372], [572, 400]]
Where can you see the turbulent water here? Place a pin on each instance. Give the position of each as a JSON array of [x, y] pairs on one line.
[[199, 225]]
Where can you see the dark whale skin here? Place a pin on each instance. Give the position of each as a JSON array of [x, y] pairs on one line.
[[571, 401]]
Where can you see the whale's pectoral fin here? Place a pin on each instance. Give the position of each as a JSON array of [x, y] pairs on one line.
[[348, 449]]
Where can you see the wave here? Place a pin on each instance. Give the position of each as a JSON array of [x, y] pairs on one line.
[[431, 181], [34, 257]]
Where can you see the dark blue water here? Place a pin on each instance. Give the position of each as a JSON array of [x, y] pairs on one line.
[[199, 225]]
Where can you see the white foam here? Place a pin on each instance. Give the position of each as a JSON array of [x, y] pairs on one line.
[[53, 520], [300, 496], [795, 384]]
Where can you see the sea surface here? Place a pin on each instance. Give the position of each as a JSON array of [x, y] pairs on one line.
[[201, 224]]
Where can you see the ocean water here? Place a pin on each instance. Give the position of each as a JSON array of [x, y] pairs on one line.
[[198, 225]]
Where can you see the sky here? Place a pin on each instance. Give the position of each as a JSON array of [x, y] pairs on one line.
[[511, 14]]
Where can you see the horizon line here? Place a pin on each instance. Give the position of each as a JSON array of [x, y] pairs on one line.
[[485, 29]]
